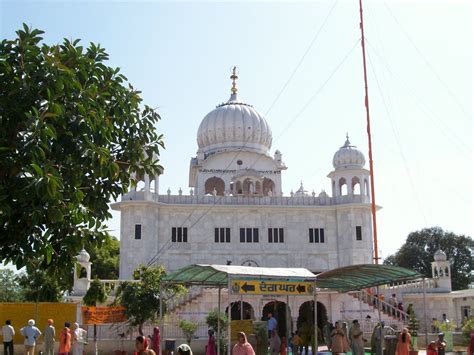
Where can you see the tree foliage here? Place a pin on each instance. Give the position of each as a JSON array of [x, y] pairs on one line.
[[39, 286], [142, 299], [95, 294], [188, 328], [420, 246], [72, 134], [10, 290], [105, 258]]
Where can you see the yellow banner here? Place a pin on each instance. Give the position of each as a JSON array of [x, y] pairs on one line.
[[256, 287], [103, 315]]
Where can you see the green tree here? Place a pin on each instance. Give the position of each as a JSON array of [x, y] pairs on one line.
[[10, 290], [95, 294], [188, 328], [105, 258], [39, 286], [420, 246], [142, 299], [73, 132]]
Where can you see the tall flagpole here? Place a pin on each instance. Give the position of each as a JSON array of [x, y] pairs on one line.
[[371, 164]]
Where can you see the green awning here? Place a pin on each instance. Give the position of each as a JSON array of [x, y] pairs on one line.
[[357, 277]]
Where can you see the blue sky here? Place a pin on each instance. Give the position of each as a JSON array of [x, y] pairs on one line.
[[179, 54]]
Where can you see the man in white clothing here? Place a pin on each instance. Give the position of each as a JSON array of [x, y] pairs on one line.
[[78, 340], [31, 333], [8, 332]]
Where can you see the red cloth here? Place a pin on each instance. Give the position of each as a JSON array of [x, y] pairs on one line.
[[470, 349], [211, 346], [155, 340], [432, 349], [65, 341], [403, 347]]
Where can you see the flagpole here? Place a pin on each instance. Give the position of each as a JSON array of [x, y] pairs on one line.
[[371, 164]]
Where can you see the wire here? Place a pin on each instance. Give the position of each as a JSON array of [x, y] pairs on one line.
[[428, 64], [444, 129], [301, 59], [395, 134]]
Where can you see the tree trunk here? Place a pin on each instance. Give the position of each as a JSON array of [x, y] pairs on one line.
[[140, 329]]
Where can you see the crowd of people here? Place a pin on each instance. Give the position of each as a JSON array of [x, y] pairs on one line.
[[70, 341]]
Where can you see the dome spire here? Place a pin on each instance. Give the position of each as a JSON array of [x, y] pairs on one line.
[[347, 143], [234, 89]]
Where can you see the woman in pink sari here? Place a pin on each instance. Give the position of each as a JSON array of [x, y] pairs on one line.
[[242, 347], [211, 343]]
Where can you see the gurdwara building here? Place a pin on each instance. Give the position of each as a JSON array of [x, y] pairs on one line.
[[236, 212]]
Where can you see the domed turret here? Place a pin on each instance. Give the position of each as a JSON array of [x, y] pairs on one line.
[[234, 126], [440, 256], [348, 157], [83, 256]]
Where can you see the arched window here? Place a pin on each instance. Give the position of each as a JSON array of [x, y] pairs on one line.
[[238, 188], [342, 186], [258, 188], [355, 185], [214, 183], [268, 185]]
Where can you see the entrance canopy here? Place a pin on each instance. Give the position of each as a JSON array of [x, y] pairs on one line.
[[218, 275], [357, 277]]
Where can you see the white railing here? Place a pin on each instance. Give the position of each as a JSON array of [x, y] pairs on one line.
[[381, 305], [244, 200]]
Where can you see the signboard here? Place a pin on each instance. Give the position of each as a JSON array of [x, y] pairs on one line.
[[103, 315], [269, 287]]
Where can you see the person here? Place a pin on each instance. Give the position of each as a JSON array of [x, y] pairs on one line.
[[431, 349], [242, 347], [271, 324], [155, 340], [184, 349], [211, 343], [141, 346], [357, 339], [403, 343], [296, 342], [275, 343], [65, 339], [283, 346], [410, 310], [49, 338], [470, 348], [382, 302], [378, 337], [401, 316], [78, 339], [31, 333], [394, 304], [8, 332], [339, 343], [441, 344]]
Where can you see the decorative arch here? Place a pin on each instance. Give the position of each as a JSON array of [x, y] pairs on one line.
[[238, 188], [268, 185], [214, 183], [355, 185], [278, 310], [236, 310], [366, 185], [342, 187], [306, 317]]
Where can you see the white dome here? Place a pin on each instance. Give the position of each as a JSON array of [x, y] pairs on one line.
[[440, 256], [348, 157], [83, 256], [233, 126]]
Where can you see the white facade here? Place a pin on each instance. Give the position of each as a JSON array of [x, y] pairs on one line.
[[236, 212]]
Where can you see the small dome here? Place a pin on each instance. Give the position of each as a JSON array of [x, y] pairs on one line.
[[83, 256], [348, 157], [440, 256]]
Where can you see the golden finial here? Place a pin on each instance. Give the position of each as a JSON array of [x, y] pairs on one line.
[[234, 77]]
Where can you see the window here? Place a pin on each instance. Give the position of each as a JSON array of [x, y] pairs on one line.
[[222, 235], [179, 234], [358, 232], [316, 235], [275, 235], [138, 231], [249, 235]]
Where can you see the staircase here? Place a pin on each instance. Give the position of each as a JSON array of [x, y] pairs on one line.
[[377, 304]]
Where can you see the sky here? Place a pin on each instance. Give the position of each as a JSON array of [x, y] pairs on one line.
[[300, 65]]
